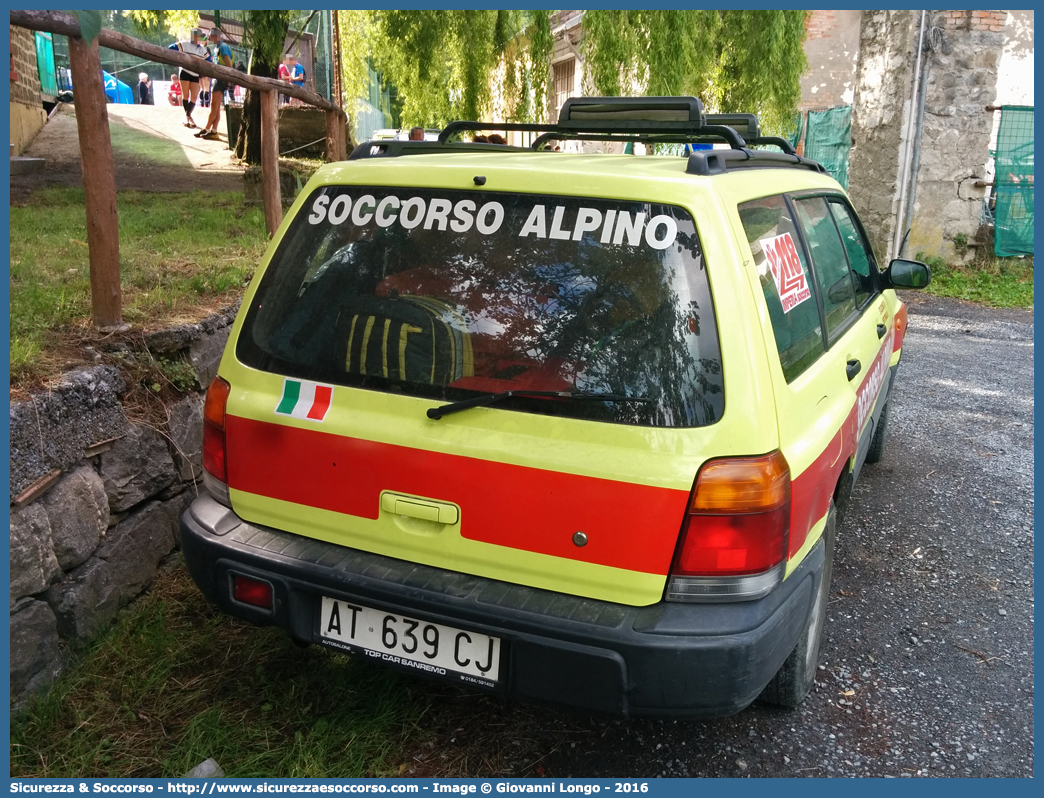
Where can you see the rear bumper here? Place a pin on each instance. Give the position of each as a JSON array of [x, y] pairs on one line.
[[669, 659]]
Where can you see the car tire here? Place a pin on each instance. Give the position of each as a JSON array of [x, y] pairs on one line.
[[796, 677], [877, 443]]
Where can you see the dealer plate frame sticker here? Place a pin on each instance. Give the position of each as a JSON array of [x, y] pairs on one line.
[[471, 657]]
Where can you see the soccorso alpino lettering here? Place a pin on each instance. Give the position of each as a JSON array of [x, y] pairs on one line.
[[611, 227]]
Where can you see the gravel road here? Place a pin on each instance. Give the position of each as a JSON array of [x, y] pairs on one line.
[[927, 663]]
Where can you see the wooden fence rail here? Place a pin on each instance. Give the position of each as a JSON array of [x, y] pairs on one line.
[[92, 124]]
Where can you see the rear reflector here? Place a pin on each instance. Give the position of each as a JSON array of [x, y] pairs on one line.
[[252, 591], [734, 538]]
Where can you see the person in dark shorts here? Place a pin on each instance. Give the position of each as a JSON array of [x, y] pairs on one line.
[[189, 79], [223, 57]]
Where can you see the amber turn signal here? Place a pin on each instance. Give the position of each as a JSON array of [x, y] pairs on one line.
[[742, 485], [217, 397]]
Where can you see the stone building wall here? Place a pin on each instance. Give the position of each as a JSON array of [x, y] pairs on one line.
[[96, 501], [884, 76], [960, 60], [961, 81], [27, 113]]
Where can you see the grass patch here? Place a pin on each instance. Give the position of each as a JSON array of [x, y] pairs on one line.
[[132, 145], [996, 282], [174, 681], [181, 256]]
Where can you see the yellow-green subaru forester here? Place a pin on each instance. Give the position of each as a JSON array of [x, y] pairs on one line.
[[561, 426]]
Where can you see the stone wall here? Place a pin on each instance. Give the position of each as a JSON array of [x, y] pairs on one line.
[[96, 501], [27, 113], [960, 59], [887, 47], [961, 82]]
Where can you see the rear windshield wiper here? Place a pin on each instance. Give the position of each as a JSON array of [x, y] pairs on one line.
[[491, 398]]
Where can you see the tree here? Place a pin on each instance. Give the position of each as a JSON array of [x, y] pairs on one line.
[[265, 33], [454, 64], [443, 63], [736, 61]]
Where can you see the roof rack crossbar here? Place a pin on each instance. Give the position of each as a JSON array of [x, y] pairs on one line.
[[669, 137], [464, 126], [777, 141], [580, 112], [744, 124]]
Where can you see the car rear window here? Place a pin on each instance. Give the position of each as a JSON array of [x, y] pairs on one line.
[[453, 294]]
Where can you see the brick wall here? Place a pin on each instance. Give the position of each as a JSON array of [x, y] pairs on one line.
[[972, 20], [820, 24], [26, 90], [832, 49]]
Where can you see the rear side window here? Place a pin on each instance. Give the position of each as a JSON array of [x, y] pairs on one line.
[[451, 294], [785, 279], [858, 255], [829, 262]]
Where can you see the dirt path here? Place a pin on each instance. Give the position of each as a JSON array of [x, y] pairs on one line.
[[152, 149]]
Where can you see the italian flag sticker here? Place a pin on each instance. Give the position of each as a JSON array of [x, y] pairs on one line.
[[302, 399]]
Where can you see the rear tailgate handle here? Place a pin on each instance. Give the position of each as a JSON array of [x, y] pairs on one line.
[[881, 330], [852, 369], [424, 509]]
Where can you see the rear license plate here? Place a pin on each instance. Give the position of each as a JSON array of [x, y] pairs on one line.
[[429, 647]]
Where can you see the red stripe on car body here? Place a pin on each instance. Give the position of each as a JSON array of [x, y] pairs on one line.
[[628, 526]]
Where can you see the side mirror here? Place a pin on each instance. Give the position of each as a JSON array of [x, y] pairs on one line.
[[903, 273]]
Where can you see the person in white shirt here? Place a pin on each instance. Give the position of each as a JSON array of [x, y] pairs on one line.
[[190, 80]]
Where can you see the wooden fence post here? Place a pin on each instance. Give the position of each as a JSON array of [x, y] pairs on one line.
[[99, 182], [270, 188], [335, 135]]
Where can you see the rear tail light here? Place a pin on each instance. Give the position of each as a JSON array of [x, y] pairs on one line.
[[254, 592], [215, 469], [734, 538]]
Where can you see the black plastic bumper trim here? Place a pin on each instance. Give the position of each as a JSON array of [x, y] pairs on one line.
[[667, 659]]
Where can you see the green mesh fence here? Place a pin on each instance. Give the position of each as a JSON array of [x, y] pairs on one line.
[[1013, 212], [829, 140]]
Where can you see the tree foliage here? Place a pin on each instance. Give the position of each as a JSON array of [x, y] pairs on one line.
[[444, 63], [354, 31], [735, 61], [172, 24]]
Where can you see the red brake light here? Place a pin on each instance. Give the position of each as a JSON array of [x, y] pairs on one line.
[[739, 520], [252, 591], [214, 429]]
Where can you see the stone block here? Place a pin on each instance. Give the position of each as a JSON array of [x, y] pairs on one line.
[[135, 547], [85, 601], [175, 507], [121, 568], [173, 341], [78, 510], [185, 427], [33, 564], [51, 429], [36, 656], [205, 355], [137, 467]]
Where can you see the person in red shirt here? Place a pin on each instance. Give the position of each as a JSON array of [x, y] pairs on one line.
[[284, 74], [174, 93]]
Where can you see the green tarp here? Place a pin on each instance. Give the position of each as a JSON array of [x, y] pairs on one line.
[[1013, 184], [829, 139]]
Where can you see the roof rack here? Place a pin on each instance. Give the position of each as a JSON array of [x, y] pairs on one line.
[[651, 120]]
